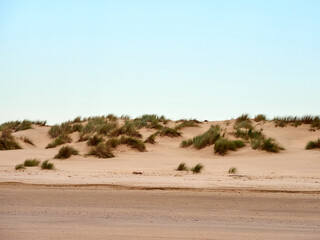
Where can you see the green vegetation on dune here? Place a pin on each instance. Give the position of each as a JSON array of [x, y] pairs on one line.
[[7, 141], [187, 123], [61, 139], [47, 165], [223, 145], [313, 144], [102, 150], [66, 152], [206, 139], [31, 162]]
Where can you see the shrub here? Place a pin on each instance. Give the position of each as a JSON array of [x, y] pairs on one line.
[[19, 167], [95, 140], [233, 170], [169, 132], [197, 168], [66, 152], [313, 144], [260, 117], [152, 138], [31, 162], [7, 142], [222, 145], [182, 167], [133, 143], [47, 165], [270, 145], [62, 139], [102, 150], [186, 123], [186, 143], [207, 138]]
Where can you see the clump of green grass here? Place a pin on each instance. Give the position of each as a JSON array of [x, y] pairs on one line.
[[16, 125], [133, 143], [260, 117], [112, 117], [77, 127], [187, 123], [60, 129], [47, 165], [233, 170], [186, 143], [128, 128], [113, 142], [106, 128], [270, 145], [66, 152], [28, 140], [62, 139], [125, 117], [20, 167], [182, 167], [205, 139], [77, 120], [313, 144], [102, 150], [7, 141], [243, 117], [197, 168], [223, 145], [150, 121], [94, 140], [297, 121], [39, 122], [152, 138], [169, 132], [31, 162]]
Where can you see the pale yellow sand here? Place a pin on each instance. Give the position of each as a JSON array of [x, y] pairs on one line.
[[293, 169]]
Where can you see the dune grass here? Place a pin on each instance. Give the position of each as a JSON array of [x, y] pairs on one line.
[[270, 145], [223, 145], [31, 162], [60, 129], [151, 138], [94, 140], [243, 117], [150, 121], [113, 142], [260, 117], [61, 139], [20, 167], [16, 125], [102, 150], [205, 139], [187, 123], [133, 143], [66, 152], [233, 170], [296, 121], [28, 140], [7, 141], [182, 167], [46, 165], [169, 132], [313, 144], [128, 128], [77, 127], [186, 143], [197, 168]]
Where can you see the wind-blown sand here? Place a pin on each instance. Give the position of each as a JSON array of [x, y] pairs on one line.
[[273, 195]]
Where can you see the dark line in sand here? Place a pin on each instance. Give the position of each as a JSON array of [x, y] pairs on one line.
[[127, 187]]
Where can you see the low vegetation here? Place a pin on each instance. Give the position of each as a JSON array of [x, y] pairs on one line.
[[31, 162], [169, 132], [152, 138], [233, 170], [28, 140], [150, 121], [16, 125], [260, 117], [223, 145], [129, 129], [20, 167], [205, 139], [187, 123], [47, 165], [7, 141], [295, 121], [197, 168], [313, 144], [182, 167], [133, 143], [94, 140], [62, 139], [66, 152], [102, 150]]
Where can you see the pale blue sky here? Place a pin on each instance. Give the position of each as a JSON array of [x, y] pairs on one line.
[[201, 59]]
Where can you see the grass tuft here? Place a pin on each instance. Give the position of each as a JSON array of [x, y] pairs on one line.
[[133, 143], [233, 170], [260, 117], [197, 168], [187, 123], [31, 162], [169, 132], [20, 167], [95, 140], [62, 139], [152, 138], [128, 128], [28, 140], [270, 145], [205, 139], [243, 117], [66, 152], [313, 144], [7, 141], [102, 150], [47, 165], [223, 145], [182, 167]]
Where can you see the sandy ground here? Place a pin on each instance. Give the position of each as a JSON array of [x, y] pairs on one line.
[[294, 169], [37, 212]]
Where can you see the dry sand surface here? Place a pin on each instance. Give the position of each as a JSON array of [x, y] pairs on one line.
[[273, 195], [38, 212]]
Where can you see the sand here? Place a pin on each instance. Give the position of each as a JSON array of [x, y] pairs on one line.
[[272, 196]]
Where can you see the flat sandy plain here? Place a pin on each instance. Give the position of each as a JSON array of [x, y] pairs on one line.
[[273, 195]]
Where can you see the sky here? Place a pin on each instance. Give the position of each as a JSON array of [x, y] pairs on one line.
[[209, 60]]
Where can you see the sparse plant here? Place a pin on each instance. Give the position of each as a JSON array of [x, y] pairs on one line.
[[205, 139], [182, 167], [197, 168], [7, 141], [66, 152], [243, 117], [313, 144], [186, 143], [133, 143], [31, 162], [94, 140], [260, 117], [233, 170], [223, 145], [20, 167], [102, 150], [128, 128], [270, 145], [62, 139], [28, 140], [152, 138], [169, 132], [47, 165], [187, 123]]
